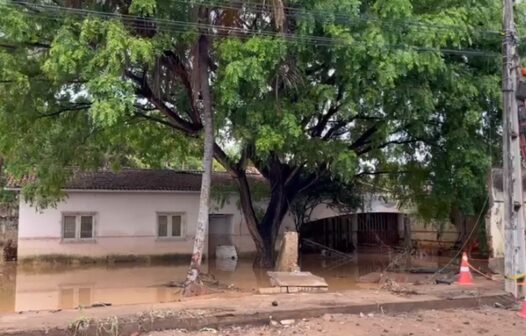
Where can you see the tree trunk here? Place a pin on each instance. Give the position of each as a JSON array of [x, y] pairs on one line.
[[248, 210], [193, 285], [270, 225], [264, 232], [262, 238]]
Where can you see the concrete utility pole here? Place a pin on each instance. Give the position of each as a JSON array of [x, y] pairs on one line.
[[514, 258]]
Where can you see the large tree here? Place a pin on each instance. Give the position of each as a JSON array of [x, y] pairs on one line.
[[304, 90]]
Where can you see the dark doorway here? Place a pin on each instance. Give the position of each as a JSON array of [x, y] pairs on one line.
[[220, 232]]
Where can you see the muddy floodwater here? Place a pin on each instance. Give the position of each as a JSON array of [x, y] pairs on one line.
[[49, 287]]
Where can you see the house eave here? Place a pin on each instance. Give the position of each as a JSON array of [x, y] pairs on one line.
[[117, 190], [134, 191], [131, 191]]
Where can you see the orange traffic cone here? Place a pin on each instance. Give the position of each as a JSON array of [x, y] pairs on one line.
[[522, 313], [465, 277]]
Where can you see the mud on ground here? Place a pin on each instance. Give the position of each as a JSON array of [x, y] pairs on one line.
[[485, 321]]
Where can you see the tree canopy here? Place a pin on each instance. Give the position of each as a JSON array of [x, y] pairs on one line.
[[403, 93]]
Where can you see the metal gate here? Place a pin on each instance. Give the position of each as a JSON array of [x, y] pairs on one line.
[[335, 233], [378, 229]]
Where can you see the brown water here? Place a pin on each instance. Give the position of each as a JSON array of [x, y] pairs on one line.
[[49, 287]]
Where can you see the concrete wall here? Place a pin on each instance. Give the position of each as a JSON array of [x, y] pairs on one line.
[[494, 226], [495, 229], [427, 234], [125, 224], [495, 214]]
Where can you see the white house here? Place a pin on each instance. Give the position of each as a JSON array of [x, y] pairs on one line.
[[129, 213], [148, 213]]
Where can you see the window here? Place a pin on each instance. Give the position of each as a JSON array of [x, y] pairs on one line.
[[170, 225], [86, 227], [70, 227], [78, 226]]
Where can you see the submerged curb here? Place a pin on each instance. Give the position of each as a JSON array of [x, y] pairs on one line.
[[136, 325]]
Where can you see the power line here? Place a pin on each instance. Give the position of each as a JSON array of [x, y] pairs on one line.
[[291, 11], [173, 25], [219, 31], [311, 40], [181, 26]]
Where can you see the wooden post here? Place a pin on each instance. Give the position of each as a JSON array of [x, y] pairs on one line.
[[514, 257]]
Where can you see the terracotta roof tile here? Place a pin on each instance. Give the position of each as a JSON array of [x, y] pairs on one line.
[[141, 179]]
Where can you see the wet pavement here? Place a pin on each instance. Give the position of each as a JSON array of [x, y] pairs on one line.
[[51, 287]]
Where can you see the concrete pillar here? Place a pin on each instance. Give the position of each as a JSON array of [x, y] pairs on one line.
[[400, 220], [288, 254]]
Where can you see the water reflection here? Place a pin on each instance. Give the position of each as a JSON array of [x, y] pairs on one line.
[[28, 287], [41, 288], [7, 287]]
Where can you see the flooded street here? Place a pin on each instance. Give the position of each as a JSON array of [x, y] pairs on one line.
[[50, 287]]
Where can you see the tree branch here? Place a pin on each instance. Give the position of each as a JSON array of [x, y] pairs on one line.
[[243, 160], [332, 131], [225, 161], [178, 68], [393, 142], [324, 119], [144, 108], [317, 130], [25, 45], [293, 174], [362, 140], [151, 118], [175, 120], [382, 172], [79, 107]]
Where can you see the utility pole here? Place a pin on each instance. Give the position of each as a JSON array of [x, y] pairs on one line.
[[514, 244]]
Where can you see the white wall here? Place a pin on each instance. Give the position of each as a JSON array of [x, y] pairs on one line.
[[376, 203], [126, 224], [495, 214]]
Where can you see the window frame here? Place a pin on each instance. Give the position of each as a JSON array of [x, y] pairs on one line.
[[78, 218], [169, 224]]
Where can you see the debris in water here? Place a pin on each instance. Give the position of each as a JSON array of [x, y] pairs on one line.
[[209, 330], [443, 282], [287, 322], [294, 282], [395, 288], [100, 304]]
